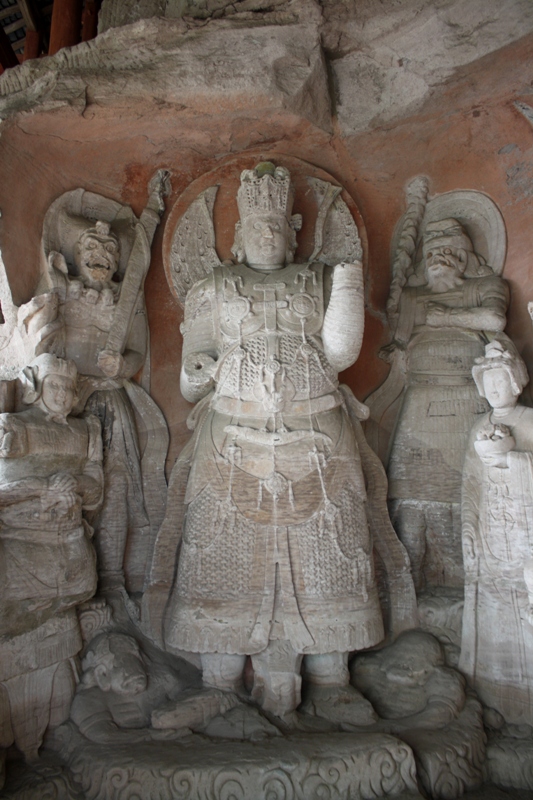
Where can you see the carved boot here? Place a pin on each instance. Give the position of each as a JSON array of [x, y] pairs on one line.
[[223, 671], [328, 693], [277, 681]]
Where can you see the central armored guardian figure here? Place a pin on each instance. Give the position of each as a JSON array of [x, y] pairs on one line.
[[276, 559]]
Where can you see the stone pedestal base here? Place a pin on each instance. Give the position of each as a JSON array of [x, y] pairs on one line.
[[299, 767], [450, 760], [510, 762]]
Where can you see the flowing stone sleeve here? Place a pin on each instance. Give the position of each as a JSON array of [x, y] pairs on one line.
[[136, 345], [402, 613], [342, 332], [200, 341], [470, 499], [93, 468], [470, 513], [521, 470]]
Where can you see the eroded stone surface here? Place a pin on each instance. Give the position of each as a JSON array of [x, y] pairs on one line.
[[471, 134], [425, 703], [509, 760], [169, 62], [386, 58], [400, 54]]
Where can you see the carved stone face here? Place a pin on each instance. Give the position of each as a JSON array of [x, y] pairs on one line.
[[445, 265], [265, 240], [127, 675], [498, 388], [58, 394], [97, 257]]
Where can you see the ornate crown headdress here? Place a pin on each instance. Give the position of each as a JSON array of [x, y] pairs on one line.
[[266, 189]]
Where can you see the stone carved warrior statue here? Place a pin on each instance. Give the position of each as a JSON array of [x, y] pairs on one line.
[[497, 514], [50, 475], [97, 254], [442, 309], [276, 560]]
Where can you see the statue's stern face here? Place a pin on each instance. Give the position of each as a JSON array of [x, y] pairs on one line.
[[265, 240], [97, 258], [443, 269]]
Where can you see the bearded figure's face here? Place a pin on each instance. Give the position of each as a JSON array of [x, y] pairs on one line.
[[97, 257], [444, 266]]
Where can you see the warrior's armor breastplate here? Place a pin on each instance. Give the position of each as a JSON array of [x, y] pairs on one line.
[[272, 357], [88, 316]]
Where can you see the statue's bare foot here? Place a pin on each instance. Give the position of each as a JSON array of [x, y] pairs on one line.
[[338, 704]]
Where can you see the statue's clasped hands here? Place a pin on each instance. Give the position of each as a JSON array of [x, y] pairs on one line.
[[437, 315], [60, 491]]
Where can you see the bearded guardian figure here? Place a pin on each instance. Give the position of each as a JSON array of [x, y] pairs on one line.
[[445, 311], [50, 476], [497, 513], [276, 559], [97, 256]]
